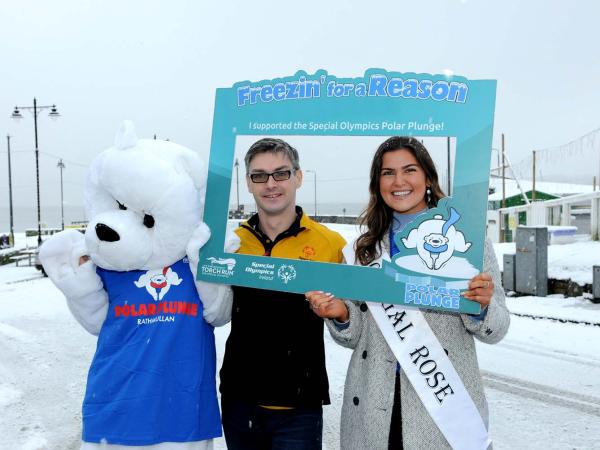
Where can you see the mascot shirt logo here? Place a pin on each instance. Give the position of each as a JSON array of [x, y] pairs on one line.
[[158, 282]]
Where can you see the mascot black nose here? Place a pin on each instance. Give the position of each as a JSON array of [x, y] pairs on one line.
[[106, 233]]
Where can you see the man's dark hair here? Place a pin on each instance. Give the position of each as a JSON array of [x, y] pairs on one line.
[[272, 145]]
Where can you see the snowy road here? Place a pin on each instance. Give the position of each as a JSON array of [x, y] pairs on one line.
[[542, 393], [543, 385], [542, 381], [45, 355]]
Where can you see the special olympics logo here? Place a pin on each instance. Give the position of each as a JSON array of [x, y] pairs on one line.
[[286, 273]]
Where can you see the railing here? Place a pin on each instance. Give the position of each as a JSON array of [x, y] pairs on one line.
[[546, 213]]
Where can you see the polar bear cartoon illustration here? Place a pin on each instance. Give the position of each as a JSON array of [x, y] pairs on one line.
[[437, 239], [158, 282]]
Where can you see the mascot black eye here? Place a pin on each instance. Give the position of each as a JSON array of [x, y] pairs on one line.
[[121, 205], [148, 221]]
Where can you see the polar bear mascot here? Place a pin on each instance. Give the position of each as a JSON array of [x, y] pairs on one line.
[[131, 281], [437, 239]]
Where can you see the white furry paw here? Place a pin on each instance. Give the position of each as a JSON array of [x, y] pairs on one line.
[[232, 242], [217, 300], [60, 254], [80, 284], [200, 236]]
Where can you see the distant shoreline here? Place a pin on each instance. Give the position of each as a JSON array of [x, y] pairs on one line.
[[26, 217]]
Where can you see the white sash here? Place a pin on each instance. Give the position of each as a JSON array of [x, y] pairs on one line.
[[430, 371]]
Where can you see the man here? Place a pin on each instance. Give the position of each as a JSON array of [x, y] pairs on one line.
[[273, 378]]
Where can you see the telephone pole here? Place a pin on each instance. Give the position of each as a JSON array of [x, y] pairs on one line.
[[11, 235]]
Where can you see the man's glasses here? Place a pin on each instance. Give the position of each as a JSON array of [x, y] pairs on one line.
[[263, 177]]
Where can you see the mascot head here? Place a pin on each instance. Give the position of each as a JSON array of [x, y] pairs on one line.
[[143, 199]]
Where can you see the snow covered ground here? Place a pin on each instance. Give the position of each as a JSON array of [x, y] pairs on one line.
[[542, 381], [21, 243]]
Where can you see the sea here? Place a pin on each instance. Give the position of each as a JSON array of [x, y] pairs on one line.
[[26, 217]]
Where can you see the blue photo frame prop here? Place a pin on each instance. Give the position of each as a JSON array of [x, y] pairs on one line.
[[439, 252]]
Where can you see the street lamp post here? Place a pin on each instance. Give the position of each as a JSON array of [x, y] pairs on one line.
[[17, 116], [61, 166], [11, 235], [314, 172]]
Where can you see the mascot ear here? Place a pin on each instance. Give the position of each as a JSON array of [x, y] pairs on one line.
[[195, 167], [126, 137]]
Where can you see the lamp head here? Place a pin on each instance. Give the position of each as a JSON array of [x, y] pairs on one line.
[[16, 114], [54, 114]]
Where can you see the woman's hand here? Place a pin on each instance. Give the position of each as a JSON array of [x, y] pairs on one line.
[[481, 289], [325, 305]]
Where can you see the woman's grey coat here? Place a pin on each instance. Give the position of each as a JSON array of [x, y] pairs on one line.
[[369, 389]]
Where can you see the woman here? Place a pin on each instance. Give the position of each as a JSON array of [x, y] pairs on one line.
[[381, 409]]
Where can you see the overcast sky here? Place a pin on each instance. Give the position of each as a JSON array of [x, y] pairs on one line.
[[159, 63]]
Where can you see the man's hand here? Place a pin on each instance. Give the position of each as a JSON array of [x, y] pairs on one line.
[[325, 305]]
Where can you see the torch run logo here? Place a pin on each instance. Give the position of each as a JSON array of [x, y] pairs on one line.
[[219, 267]]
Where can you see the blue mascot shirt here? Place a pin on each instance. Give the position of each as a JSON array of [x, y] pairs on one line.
[[152, 379]]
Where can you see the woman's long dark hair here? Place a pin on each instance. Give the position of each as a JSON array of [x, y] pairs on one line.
[[377, 218]]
